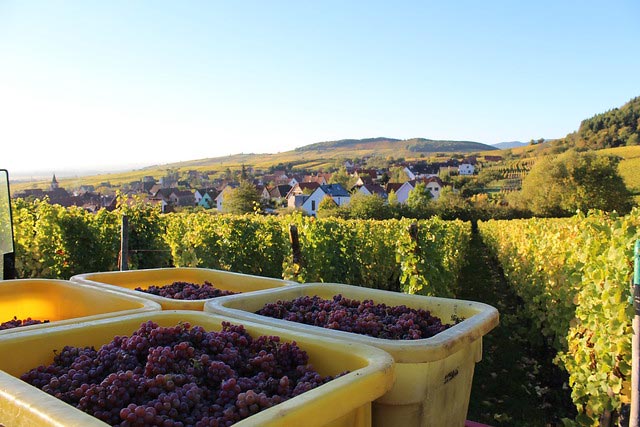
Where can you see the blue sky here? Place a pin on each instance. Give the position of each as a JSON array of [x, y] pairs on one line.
[[106, 85]]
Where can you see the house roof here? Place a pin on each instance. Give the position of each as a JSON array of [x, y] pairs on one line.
[[301, 187], [471, 159], [335, 190], [318, 178], [492, 158], [375, 189], [163, 193], [280, 191], [424, 168], [366, 179], [362, 173], [212, 192], [433, 179], [394, 186], [182, 193]]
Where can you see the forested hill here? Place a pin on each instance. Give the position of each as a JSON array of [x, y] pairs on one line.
[[614, 128], [414, 145]]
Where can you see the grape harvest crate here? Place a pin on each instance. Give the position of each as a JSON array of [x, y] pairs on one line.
[[434, 375], [127, 281], [62, 303], [341, 402]]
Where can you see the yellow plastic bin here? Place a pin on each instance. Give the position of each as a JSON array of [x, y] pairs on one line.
[[345, 401], [62, 302], [127, 281], [434, 375]]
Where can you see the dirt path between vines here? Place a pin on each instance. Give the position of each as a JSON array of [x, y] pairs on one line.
[[516, 383]]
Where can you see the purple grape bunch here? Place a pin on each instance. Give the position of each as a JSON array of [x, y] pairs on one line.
[[15, 323], [178, 376], [186, 291], [360, 317]]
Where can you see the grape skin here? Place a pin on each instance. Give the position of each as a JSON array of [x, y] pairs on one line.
[[186, 291], [360, 317], [178, 376]]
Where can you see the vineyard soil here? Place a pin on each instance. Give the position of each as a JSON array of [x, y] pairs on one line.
[[516, 383]]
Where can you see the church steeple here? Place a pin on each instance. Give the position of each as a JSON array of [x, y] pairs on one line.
[[54, 182]]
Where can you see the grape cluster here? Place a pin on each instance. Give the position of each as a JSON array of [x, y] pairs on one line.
[[186, 291], [360, 317], [178, 376], [15, 322]]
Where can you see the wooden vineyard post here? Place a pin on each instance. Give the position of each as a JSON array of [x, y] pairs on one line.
[[295, 247], [413, 232], [634, 420], [124, 244]]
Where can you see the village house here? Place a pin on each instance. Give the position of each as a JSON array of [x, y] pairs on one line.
[[182, 198], [206, 197], [278, 194], [365, 176], [402, 193], [302, 188], [466, 169], [432, 183], [310, 203], [370, 189], [320, 178], [221, 195], [492, 158]]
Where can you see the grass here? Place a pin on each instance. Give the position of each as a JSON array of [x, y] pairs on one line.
[[516, 383]]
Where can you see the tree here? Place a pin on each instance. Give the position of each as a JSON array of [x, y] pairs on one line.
[[488, 175], [560, 185], [418, 200], [342, 177], [451, 205], [327, 202], [329, 208], [242, 199], [384, 179], [397, 174], [392, 199], [372, 206]]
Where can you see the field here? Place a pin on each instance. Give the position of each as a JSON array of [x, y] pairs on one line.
[[629, 166]]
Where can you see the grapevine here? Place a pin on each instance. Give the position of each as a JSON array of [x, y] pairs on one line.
[[573, 275]]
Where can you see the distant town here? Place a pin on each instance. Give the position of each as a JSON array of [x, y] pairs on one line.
[[278, 188]]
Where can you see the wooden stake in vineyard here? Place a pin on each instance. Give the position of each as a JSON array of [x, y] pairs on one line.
[[124, 244], [634, 420]]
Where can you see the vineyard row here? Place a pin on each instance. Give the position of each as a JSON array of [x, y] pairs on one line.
[[574, 277], [417, 257]]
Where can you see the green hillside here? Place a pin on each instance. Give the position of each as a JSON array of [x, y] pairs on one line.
[[402, 148], [615, 128]]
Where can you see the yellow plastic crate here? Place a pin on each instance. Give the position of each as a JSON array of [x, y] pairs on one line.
[[62, 303], [343, 402], [434, 375], [127, 281]]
